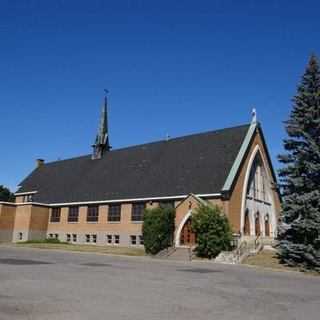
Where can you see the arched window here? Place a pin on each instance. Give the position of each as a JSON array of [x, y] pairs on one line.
[[246, 227], [258, 198], [267, 225], [257, 224]]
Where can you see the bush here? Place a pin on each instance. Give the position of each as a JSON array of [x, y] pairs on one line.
[[213, 231], [158, 229]]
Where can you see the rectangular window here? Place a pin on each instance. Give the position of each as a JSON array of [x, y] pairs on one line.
[[20, 236], [68, 237], [114, 212], [73, 214], [116, 239], [50, 235], [141, 240], [56, 236], [55, 215], [133, 239], [109, 238], [138, 211], [93, 214], [74, 238], [94, 238], [87, 237]]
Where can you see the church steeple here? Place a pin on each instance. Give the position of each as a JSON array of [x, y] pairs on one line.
[[101, 144]]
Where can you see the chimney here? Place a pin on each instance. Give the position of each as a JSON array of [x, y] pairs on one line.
[[39, 162]]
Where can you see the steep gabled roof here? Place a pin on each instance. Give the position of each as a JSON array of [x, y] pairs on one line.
[[198, 164]]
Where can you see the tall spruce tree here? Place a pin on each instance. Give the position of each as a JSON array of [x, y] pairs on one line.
[[299, 230]]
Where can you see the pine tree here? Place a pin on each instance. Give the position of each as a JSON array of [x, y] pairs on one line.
[[5, 194], [299, 230]]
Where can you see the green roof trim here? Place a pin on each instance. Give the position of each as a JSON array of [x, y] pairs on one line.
[[236, 165]]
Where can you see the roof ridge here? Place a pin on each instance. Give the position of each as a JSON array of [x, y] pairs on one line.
[[156, 142]]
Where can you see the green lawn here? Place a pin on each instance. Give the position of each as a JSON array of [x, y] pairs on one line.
[[84, 248]]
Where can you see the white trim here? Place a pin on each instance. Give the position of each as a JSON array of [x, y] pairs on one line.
[[178, 232], [204, 195], [25, 193], [272, 218], [236, 165], [7, 203], [207, 195]]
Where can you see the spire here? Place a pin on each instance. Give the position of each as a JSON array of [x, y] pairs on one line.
[[102, 138]]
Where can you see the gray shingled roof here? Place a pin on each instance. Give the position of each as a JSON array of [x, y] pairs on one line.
[[197, 164]]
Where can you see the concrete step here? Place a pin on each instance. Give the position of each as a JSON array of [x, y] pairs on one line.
[[181, 254], [172, 253]]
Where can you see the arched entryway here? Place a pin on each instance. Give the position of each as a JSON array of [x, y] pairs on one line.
[[187, 236], [184, 236]]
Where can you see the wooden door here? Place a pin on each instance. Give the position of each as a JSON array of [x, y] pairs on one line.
[[187, 236]]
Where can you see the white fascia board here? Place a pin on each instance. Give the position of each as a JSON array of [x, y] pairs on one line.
[[206, 195], [25, 193], [236, 165]]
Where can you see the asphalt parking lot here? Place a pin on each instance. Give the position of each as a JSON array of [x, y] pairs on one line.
[[38, 284]]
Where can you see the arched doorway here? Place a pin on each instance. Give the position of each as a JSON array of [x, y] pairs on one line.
[[267, 226], [246, 227], [187, 236], [257, 224]]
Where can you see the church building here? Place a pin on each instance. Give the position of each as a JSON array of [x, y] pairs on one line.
[[100, 198]]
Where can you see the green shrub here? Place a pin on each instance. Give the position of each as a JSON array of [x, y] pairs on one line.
[[213, 231], [158, 229]]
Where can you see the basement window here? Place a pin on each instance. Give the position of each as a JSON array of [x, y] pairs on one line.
[[87, 237], [74, 238], [109, 238], [20, 236], [116, 239], [141, 242], [133, 240], [68, 237]]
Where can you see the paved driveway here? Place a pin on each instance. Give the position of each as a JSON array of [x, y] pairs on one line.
[[36, 284]]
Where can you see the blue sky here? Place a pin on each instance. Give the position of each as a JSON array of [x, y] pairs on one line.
[[176, 67]]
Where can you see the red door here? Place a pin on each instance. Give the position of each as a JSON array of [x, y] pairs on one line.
[[187, 236]]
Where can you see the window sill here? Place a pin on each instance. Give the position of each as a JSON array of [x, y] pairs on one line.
[[114, 222], [137, 222], [54, 222], [73, 222], [92, 222]]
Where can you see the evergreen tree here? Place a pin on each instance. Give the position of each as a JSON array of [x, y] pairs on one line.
[[299, 230], [6, 195]]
